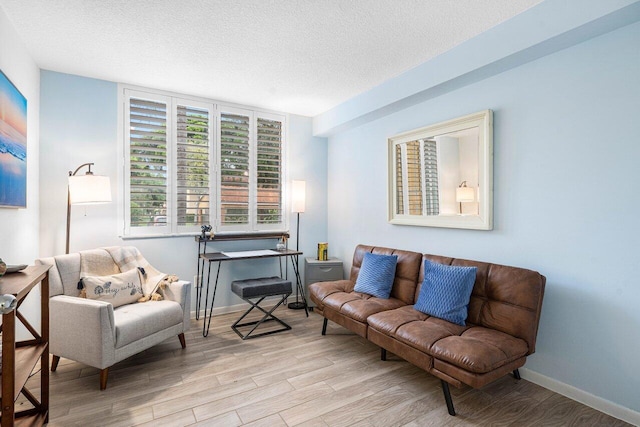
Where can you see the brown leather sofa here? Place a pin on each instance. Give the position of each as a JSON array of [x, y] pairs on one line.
[[500, 331]]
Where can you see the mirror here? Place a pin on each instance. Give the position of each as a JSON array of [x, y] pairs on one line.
[[442, 175]]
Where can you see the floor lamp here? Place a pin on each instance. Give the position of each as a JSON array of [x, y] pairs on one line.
[[464, 194], [298, 197], [86, 189]]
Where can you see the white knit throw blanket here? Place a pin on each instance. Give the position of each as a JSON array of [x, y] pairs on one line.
[[118, 259]]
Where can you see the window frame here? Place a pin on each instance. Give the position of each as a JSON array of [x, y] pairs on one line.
[[172, 100]]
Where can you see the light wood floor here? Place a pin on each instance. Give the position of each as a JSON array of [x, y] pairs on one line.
[[291, 378]]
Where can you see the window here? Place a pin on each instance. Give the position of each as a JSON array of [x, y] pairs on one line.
[[188, 163], [269, 171], [417, 178], [148, 163], [192, 158], [430, 168], [234, 169]]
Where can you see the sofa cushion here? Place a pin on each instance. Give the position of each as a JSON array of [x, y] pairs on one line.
[[407, 270], [359, 306], [137, 321], [479, 349], [445, 291], [376, 275], [116, 289], [413, 327], [321, 290]]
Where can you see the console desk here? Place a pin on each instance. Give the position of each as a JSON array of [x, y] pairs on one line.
[[220, 257]]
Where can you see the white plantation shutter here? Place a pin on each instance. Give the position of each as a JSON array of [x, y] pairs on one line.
[[148, 161], [430, 170], [234, 169], [269, 171], [399, 181], [193, 134], [189, 162], [416, 178]]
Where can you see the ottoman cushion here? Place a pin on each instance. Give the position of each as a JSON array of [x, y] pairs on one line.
[[264, 286]]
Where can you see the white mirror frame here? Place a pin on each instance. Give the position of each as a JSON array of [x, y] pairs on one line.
[[483, 120]]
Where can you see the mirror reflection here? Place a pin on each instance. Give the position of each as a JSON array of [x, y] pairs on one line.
[[441, 175]]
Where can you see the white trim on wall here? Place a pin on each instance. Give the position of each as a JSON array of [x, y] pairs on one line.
[[586, 398]]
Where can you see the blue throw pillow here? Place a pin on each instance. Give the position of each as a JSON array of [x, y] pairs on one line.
[[376, 275], [446, 291]]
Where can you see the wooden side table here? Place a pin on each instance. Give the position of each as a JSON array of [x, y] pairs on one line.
[[20, 358]]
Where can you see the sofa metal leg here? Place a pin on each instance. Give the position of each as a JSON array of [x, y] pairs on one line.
[[447, 397], [324, 326], [516, 374], [383, 354], [54, 363], [183, 343], [104, 374]]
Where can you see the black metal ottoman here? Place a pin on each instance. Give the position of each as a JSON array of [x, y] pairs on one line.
[[254, 291]]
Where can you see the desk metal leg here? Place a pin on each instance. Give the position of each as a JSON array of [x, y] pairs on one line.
[[206, 323], [296, 271], [200, 275]]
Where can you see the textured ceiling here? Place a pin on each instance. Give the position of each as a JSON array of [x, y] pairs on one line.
[[297, 56]]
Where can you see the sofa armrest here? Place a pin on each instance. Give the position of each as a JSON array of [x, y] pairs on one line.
[[83, 330], [180, 292], [320, 290]]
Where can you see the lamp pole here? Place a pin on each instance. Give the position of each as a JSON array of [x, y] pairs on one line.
[[298, 206]]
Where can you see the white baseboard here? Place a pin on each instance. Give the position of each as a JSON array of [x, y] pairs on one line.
[[625, 414], [223, 310]]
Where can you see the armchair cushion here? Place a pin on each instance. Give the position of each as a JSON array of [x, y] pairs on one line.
[[116, 289], [134, 322]]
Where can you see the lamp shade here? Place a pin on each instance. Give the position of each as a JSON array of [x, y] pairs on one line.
[[298, 196], [89, 189], [465, 194]]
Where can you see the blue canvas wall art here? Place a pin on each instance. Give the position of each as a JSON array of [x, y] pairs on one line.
[[13, 145]]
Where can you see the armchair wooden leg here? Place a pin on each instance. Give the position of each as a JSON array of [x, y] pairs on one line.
[[54, 363], [183, 343], [104, 374], [324, 326]]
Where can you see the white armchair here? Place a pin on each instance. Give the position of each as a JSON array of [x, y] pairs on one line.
[[95, 333]]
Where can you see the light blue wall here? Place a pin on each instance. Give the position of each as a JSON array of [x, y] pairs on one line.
[[80, 124], [565, 178], [19, 227]]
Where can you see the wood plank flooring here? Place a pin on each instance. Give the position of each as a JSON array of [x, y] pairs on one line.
[[293, 378]]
